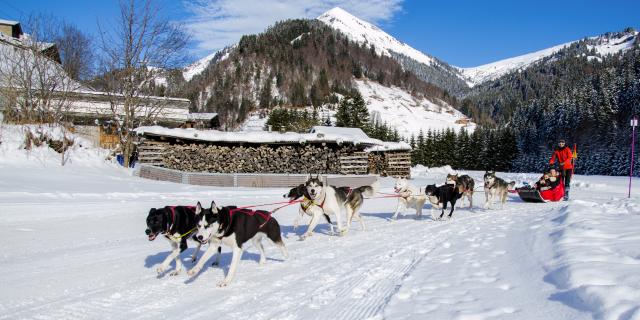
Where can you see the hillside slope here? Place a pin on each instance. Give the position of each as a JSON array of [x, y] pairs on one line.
[[298, 63]]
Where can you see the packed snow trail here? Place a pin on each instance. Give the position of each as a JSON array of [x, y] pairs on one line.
[[75, 248]]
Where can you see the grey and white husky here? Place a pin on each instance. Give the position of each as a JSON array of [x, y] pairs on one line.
[[465, 185], [495, 187], [333, 200]]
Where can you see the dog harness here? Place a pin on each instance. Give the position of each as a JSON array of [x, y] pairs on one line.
[[248, 212], [169, 234], [306, 203]]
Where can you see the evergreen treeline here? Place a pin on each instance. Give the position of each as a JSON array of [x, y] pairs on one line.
[[352, 112], [576, 95], [283, 119], [484, 149]]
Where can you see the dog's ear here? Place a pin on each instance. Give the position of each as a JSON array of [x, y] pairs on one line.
[[198, 208], [214, 208]]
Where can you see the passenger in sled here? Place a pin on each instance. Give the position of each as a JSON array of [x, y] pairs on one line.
[[553, 189], [549, 187]]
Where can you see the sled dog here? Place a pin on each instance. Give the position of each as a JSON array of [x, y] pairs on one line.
[[495, 187], [465, 185], [409, 197], [308, 207], [440, 196], [177, 224], [333, 200], [234, 227]]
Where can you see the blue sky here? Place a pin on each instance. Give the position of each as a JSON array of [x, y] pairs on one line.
[[462, 32]]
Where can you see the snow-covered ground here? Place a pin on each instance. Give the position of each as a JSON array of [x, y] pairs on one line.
[[74, 248]]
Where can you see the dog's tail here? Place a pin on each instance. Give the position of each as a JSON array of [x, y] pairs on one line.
[[369, 191]]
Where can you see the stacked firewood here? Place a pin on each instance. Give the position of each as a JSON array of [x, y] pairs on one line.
[[260, 159], [377, 164]]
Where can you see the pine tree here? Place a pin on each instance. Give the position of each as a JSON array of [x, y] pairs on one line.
[[343, 115]]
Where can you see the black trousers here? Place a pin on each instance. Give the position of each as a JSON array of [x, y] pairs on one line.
[[567, 174]]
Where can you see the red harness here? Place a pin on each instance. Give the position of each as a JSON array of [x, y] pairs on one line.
[[250, 212]]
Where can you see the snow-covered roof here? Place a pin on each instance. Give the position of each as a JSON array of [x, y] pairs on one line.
[[270, 137], [352, 132], [202, 116], [9, 22]]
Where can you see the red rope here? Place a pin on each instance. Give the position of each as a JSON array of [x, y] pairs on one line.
[[266, 217], [389, 196]]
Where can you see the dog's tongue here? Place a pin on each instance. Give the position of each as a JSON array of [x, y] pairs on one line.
[[152, 237]]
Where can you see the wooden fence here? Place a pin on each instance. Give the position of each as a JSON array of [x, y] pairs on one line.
[[247, 179]]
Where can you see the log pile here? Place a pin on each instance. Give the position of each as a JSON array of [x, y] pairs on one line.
[[398, 164], [152, 152], [260, 159], [377, 164]]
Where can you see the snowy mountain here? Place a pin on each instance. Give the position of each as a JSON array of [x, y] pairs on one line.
[[364, 32], [425, 67], [601, 46], [199, 66]]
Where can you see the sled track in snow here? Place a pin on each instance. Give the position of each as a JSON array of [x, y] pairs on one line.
[[317, 275]]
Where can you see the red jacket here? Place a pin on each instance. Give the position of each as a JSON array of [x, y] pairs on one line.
[[564, 156], [555, 194]]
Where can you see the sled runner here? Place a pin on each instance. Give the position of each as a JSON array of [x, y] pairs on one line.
[[530, 195]]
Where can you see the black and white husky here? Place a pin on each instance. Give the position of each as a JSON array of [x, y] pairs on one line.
[[495, 187], [234, 227], [177, 224], [308, 207], [332, 200]]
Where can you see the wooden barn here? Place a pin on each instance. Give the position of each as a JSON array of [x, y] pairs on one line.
[[327, 151]]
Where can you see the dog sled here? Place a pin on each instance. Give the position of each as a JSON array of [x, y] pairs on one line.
[[531, 194]]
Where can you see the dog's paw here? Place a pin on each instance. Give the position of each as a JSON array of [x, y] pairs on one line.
[[215, 263], [160, 270], [174, 273], [193, 272], [223, 283]]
